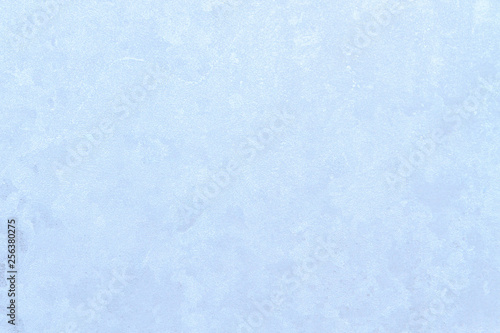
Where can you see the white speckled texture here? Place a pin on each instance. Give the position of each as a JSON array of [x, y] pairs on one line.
[[216, 166]]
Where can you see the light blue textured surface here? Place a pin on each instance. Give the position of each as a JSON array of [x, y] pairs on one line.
[[251, 166]]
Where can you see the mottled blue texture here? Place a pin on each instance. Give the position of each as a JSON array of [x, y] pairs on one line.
[[251, 166]]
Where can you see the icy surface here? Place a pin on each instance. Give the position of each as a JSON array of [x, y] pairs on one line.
[[251, 166]]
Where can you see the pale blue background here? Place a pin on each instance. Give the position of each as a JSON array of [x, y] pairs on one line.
[[112, 241]]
